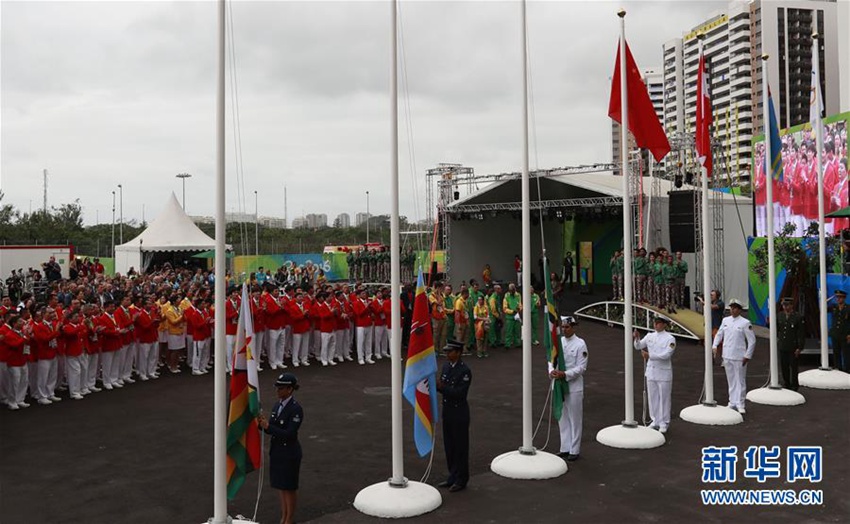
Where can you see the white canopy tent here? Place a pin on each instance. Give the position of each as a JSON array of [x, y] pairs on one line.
[[171, 231]]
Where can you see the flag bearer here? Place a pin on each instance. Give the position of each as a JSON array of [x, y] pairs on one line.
[[739, 343], [575, 364], [657, 349], [453, 383]]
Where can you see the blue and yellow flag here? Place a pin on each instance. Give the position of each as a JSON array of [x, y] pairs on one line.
[[775, 143], [420, 372]]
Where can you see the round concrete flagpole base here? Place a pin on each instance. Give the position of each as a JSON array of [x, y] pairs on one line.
[[711, 415], [539, 466], [630, 437], [238, 520], [386, 501], [776, 397], [824, 379]]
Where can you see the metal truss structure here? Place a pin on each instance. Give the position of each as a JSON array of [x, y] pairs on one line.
[[565, 205], [454, 181]]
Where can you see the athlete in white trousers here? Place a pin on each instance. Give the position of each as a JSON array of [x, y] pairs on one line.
[[231, 341], [382, 342], [276, 339], [657, 349], [575, 364], [326, 356], [301, 349], [364, 345], [739, 342], [18, 382], [47, 372]]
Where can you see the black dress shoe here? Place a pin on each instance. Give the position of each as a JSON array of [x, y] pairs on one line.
[[456, 487], [563, 455], [444, 484], [572, 458]]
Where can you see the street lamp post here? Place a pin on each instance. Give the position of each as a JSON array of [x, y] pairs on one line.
[[256, 225], [184, 176], [367, 217], [121, 214], [113, 224]]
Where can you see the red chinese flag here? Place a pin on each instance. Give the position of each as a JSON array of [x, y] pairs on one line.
[[643, 122], [703, 133]]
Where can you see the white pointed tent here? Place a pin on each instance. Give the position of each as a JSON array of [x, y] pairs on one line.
[[171, 231]]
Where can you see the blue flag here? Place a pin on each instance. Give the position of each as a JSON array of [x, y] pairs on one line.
[[775, 144]]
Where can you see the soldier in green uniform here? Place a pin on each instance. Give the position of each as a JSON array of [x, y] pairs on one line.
[[349, 259], [791, 337], [668, 273], [495, 305], [657, 282], [839, 333], [640, 275], [511, 305], [681, 273], [615, 275]]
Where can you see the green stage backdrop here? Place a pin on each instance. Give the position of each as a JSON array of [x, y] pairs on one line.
[[606, 236]]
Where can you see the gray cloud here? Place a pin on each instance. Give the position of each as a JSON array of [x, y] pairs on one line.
[[123, 92]]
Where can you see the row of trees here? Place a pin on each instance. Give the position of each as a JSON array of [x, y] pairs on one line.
[[63, 225]]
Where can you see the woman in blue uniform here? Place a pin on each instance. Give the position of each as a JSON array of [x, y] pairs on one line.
[[285, 453]]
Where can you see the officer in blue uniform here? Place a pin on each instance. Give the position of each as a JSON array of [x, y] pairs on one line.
[[453, 383], [285, 453]]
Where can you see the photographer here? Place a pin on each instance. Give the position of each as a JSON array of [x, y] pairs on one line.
[[52, 271]]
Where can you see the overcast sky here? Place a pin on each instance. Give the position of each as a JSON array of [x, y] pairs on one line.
[[107, 93]]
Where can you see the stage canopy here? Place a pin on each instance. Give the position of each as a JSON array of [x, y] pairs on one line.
[[172, 232], [485, 227]]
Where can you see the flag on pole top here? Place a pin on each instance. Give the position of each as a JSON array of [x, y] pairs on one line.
[[775, 143], [554, 352], [704, 119], [643, 121], [420, 372], [243, 433]]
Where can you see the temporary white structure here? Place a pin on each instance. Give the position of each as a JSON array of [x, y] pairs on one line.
[[171, 231]]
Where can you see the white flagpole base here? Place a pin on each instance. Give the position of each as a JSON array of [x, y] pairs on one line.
[[824, 379], [231, 520], [386, 501], [539, 466], [776, 397], [711, 415], [630, 437]]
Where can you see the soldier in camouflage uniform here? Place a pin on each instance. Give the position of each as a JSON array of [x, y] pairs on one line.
[[791, 337], [669, 273], [681, 273]]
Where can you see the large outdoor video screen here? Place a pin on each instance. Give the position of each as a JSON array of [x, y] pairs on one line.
[[795, 196]]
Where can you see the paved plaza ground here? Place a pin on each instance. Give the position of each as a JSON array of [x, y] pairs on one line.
[[143, 454]]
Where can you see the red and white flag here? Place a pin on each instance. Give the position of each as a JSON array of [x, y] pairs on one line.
[[703, 131]]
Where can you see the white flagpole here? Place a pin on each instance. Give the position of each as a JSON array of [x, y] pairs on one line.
[[706, 258], [527, 446], [395, 316], [627, 234], [771, 253], [220, 403], [527, 462], [823, 377], [647, 220], [774, 394], [396, 497], [818, 124], [707, 412], [627, 434]]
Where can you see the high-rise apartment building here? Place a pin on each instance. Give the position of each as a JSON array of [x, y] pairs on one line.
[[316, 220], [733, 42], [360, 219], [342, 220]]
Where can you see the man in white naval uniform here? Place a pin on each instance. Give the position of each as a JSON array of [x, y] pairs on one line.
[[739, 342], [657, 349], [575, 364]]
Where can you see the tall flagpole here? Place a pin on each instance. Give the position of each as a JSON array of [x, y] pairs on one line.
[[773, 394], [824, 377], [527, 446], [629, 378], [526, 462], [707, 412], [397, 497], [824, 351], [627, 434], [220, 404], [395, 334]]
